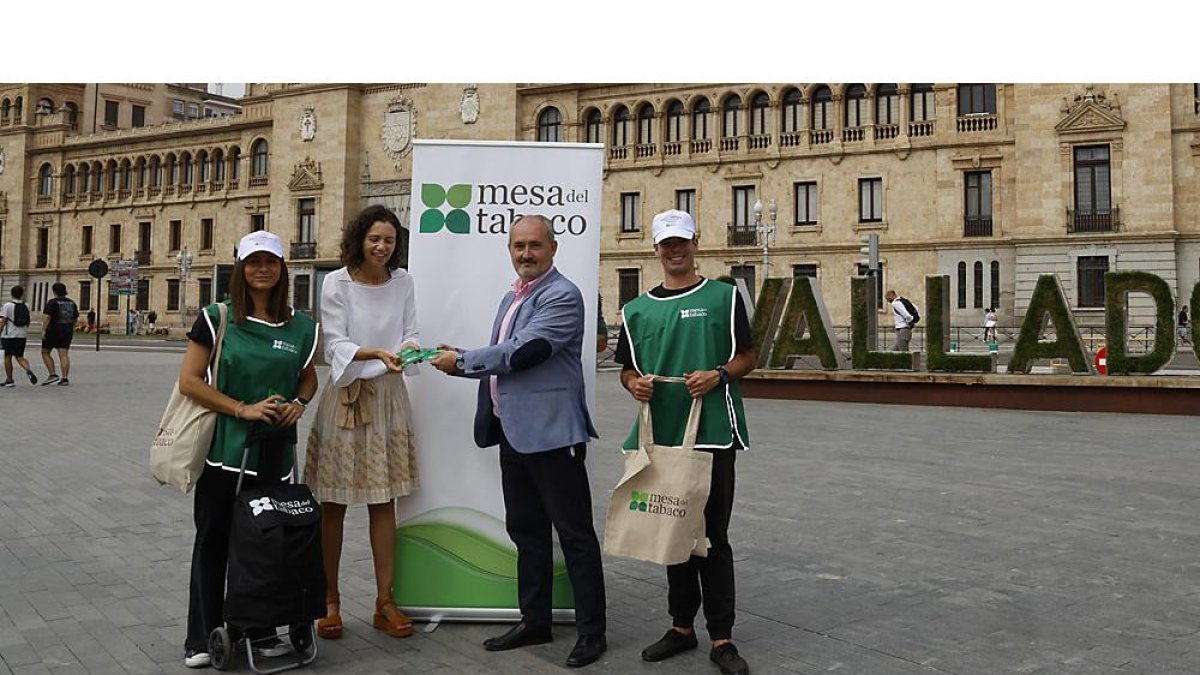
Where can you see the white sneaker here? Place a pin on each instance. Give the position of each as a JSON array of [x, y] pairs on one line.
[[271, 648], [195, 659]]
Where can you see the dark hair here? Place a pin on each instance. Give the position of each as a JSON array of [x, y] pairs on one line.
[[18, 292], [59, 288], [243, 303], [356, 231]]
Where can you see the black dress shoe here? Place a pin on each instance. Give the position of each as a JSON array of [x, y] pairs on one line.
[[520, 635], [587, 649], [669, 645]]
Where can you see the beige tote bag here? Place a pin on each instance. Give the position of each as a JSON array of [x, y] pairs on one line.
[[657, 508], [185, 433]]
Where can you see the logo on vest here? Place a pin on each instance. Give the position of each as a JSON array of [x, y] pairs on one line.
[[284, 346], [694, 313], [662, 505]]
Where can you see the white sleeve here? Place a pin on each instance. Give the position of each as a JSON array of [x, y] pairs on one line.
[[412, 331], [339, 349]]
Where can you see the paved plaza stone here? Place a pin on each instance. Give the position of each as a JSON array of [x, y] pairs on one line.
[[870, 540]]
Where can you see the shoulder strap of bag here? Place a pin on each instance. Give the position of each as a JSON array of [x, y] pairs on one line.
[[690, 431], [222, 312]]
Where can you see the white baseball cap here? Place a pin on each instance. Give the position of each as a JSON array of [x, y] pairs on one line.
[[260, 241], [674, 223]]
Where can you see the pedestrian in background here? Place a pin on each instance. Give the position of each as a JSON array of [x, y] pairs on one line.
[[14, 330]]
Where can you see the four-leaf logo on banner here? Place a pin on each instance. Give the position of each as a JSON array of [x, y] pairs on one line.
[[456, 220]]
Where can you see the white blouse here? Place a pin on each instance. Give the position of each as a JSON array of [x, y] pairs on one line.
[[355, 315]]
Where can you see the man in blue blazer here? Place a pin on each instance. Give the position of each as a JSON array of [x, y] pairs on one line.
[[532, 403]]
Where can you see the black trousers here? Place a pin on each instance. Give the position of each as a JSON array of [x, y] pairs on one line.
[[213, 515], [551, 488], [709, 579]]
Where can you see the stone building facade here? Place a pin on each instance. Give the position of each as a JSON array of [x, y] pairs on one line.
[[990, 184]]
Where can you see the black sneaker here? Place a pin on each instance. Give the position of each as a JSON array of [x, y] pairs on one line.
[[50, 379], [8, 383], [64, 382], [32, 377], [669, 645], [728, 660]]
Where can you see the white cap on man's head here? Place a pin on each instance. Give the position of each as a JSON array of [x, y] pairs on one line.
[[674, 223], [260, 240]]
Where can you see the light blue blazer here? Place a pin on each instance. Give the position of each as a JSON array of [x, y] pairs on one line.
[[542, 407]]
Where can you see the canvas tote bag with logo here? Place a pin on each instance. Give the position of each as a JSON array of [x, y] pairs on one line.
[[185, 433], [657, 508]]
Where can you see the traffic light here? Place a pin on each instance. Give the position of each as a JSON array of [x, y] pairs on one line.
[[870, 250]]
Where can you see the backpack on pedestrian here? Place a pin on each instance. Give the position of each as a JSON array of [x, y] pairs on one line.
[[912, 309], [20, 314]]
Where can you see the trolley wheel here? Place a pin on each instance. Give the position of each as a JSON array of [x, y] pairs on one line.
[[220, 648], [301, 637]]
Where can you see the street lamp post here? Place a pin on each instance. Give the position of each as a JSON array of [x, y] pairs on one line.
[[183, 260], [766, 231]]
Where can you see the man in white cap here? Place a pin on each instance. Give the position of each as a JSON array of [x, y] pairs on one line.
[[698, 329]]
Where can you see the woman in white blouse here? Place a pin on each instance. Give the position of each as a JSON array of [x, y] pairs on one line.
[[360, 450]]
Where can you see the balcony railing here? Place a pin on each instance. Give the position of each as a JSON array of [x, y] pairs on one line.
[[820, 136], [742, 236], [758, 141], [701, 146], [304, 250], [977, 226], [258, 181], [645, 150], [982, 122], [672, 148], [853, 134], [886, 131], [142, 257], [729, 143], [619, 152], [920, 128], [1093, 220], [790, 139]]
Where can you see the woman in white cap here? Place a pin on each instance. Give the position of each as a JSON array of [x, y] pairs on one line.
[[360, 449], [266, 376]]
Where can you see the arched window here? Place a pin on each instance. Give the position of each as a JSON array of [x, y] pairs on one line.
[[171, 170], [235, 163], [922, 102], [46, 181], [155, 172], [126, 178], [645, 130], [790, 111], [85, 172], [69, 180], [887, 104], [674, 122], [202, 162], [19, 109], [978, 285], [995, 284], [72, 114], [141, 172], [760, 122], [731, 113], [701, 119], [962, 285], [259, 166], [856, 106], [188, 172], [620, 124], [111, 170], [5, 108], [592, 132], [218, 161], [549, 125], [97, 177], [822, 101]]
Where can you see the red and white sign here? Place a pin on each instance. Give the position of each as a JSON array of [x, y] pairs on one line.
[[1102, 360]]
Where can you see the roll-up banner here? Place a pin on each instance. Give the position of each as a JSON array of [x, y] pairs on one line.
[[454, 559]]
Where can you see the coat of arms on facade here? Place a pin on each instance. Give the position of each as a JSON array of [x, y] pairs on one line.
[[470, 104], [399, 127], [1091, 111], [308, 124], [306, 176]]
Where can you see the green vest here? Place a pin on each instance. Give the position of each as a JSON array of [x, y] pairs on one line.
[[675, 336], [258, 359]]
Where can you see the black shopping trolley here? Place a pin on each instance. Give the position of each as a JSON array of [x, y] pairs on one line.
[[276, 575]]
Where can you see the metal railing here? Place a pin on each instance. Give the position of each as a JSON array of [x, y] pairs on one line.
[[742, 236], [1093, 220], [977, 226], [304, 250]]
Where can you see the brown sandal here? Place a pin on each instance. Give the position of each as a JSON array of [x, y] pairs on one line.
[[389, 619], [330, 627]]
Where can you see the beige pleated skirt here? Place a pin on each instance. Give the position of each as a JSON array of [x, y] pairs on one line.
[[360, 449]]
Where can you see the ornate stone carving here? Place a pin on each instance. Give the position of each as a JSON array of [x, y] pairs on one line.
[[2, 161], [470, 104], [387, 188], [308, 124], [1090, 111], [399, 128], [3, 202], [306, 176]]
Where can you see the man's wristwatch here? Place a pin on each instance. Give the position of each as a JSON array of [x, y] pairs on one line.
[[301, 400], [724, 375], [458, 362]]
